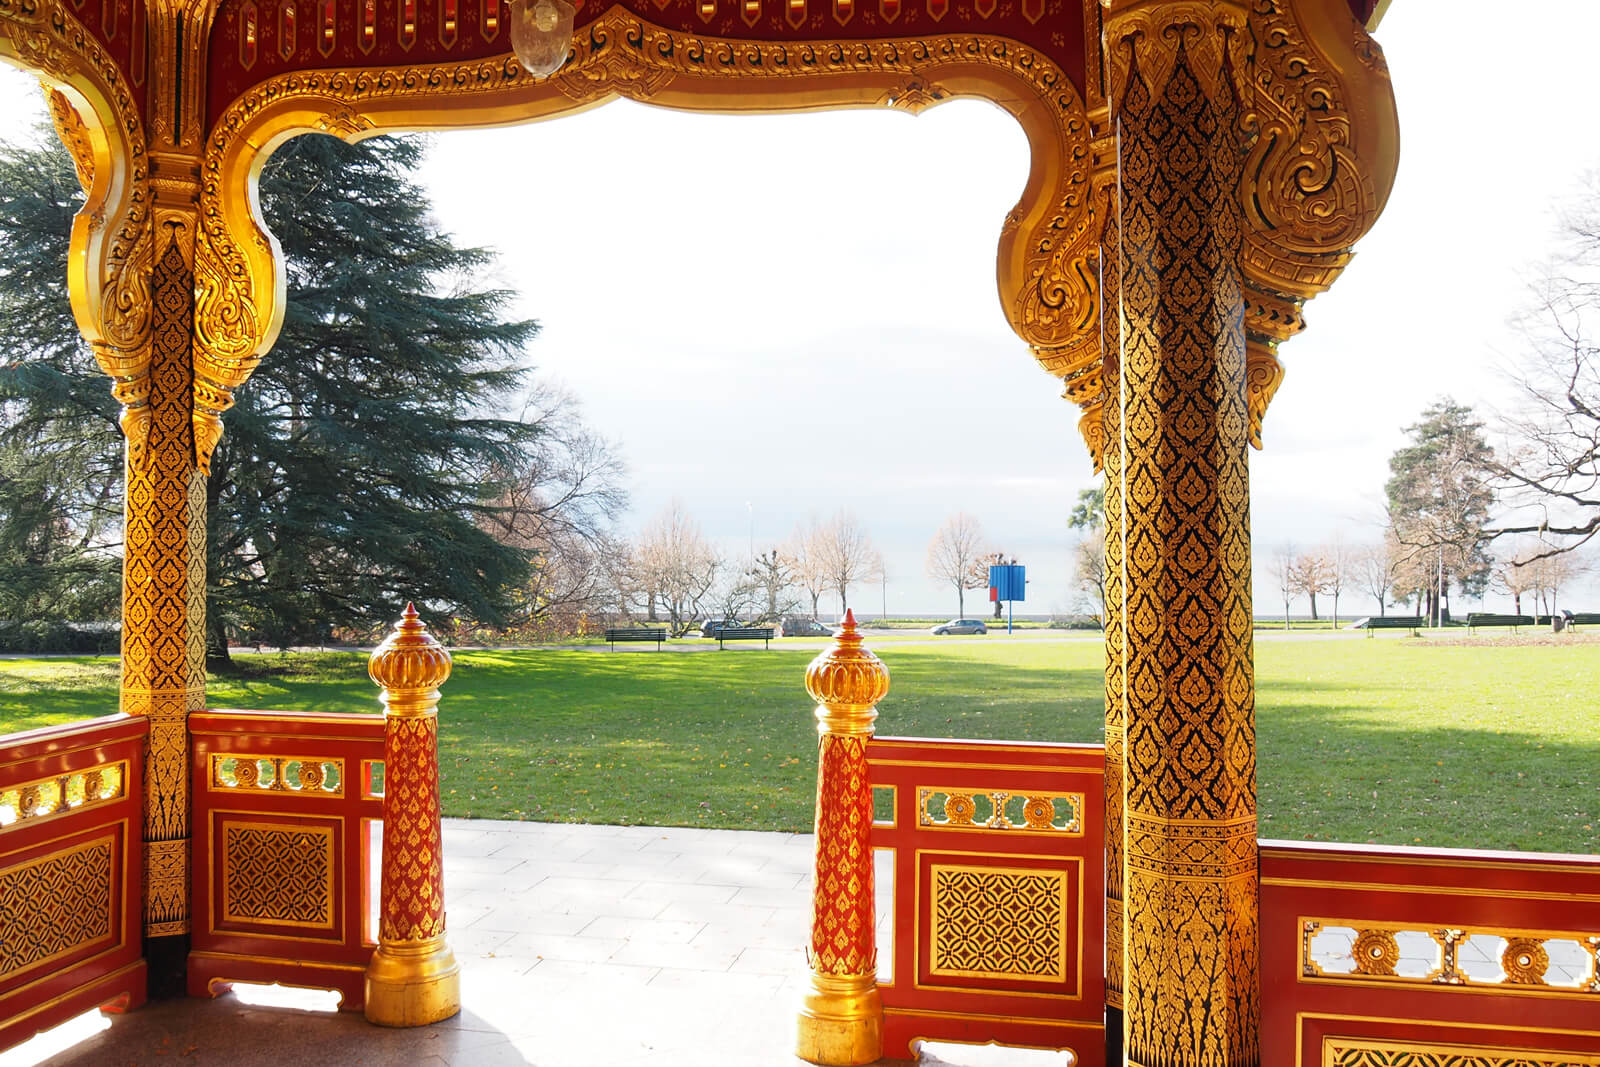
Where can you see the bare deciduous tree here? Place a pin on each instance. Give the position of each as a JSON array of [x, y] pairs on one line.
[[1372, 568], [806, 549], [1281, 566], [1310, 574], [955, 556], [1549, 471], [676, 566], [772, 576], [846, 555]]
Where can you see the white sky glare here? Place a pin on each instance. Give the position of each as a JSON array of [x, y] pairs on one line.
[[781, 316]]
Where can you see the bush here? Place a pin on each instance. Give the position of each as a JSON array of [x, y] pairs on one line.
[[58, 636]]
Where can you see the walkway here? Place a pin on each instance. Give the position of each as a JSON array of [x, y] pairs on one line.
[[580, 946]]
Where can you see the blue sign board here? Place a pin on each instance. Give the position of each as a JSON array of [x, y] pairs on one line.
[[1009, 582]]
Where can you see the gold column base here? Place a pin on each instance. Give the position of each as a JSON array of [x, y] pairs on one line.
[[413, 984], [841, 1021]]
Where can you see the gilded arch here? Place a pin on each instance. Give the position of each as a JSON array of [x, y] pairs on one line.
[[1047, 247], [97, 116]]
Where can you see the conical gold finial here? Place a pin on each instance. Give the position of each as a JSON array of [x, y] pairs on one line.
[[410, 662], [847, 681]]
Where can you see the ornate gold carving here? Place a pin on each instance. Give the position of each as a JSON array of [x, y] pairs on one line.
[[841, 1020], [1524, 961], [166, 887], [847, 681], [1525, 957], [1378, 1052], [278, 874], [999, 922], [55, 905], [278, 773], [413, 978], [63, 793], [1177, 374], [1375, 952], [940, 807], [1046, 256]]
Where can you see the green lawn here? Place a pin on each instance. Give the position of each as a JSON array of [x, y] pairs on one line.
[[1392, 740]]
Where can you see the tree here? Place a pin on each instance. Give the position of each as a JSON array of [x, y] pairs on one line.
[[363, 464], [1374, 567], [1282, 566], [1340, 563], [1310, 574], [1549, 468], [1439, 496], [955, 557], [60, 444], [807, 548], [846, 555], [676, 567], [772, 576], [1518, 576], [1089, 567]]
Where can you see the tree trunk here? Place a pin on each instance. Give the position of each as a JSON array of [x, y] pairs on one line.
[[218, 659], [1285, 614], [961, 601], [1516, 603], [997, 609], [1336, 611], [1313, 607]]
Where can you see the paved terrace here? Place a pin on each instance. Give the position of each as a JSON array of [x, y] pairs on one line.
[[580, 946]]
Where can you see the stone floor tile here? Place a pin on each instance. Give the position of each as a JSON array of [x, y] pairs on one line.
[[682, 956], [683, 892], [577, 949], [642, 929], [770, 961]]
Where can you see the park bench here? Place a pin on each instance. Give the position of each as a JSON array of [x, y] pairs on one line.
[[1389, 622], [1574, 619], [635, 633], [745, 633], [1481, 618]]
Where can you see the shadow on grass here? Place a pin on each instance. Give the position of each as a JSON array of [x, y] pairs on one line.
[[1353, 770]]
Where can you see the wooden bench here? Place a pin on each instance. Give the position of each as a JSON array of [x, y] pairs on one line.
[[635, 633], [1482, 618], [1389, 622], [745, 633]]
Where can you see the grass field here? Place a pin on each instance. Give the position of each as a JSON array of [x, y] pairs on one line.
[[1487, 744]]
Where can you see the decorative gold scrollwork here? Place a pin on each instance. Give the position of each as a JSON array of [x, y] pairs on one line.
[[944, 808], [1375, 952]]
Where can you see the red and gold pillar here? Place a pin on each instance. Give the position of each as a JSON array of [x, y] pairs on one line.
[[841, 1022], [413, 978], [1189, 884]]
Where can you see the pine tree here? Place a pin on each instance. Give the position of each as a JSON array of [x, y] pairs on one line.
[[1439, 497], [361, 461]]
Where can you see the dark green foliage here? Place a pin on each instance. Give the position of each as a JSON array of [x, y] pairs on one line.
[[362, 454], [1439, 496], [60, 446], [360, 462]]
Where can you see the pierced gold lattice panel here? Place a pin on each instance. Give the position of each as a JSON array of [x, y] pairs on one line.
[[55, 905], [1370, 1052], [999, 922], [278, 875]]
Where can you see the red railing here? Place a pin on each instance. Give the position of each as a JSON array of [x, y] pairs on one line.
[[999, 893], [287, 821], [71, 824], [1428, 956]]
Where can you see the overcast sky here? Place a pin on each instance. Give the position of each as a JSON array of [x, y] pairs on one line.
[[782, 316]]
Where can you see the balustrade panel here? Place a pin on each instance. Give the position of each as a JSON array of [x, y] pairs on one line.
[[287, 825], [1409, 957], [71, 808], [998, 915]]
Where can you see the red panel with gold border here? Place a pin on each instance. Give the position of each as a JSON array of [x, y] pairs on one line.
[[1423, 957], [287, 814], [253, 40], [70, 873], [998, 884]]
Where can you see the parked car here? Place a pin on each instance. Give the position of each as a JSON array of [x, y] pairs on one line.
[[798, 627], [712, 627], [961, 626]]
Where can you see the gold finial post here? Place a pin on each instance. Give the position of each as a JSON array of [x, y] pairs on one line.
[[841, 1020], [413, 979]]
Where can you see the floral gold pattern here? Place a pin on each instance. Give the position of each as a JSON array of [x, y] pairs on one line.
[[278, 875]]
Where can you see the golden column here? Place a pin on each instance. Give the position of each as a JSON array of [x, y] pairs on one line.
[[1189, 881], [413, 978], [841, 1022]]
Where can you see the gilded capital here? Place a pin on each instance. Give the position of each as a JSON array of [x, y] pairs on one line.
[[847, 681], [410, 665]]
